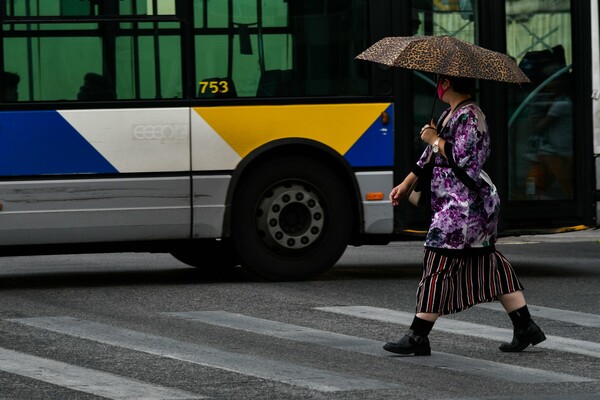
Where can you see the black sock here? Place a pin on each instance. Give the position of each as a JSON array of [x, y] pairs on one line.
[[520, 318], [421, 327]]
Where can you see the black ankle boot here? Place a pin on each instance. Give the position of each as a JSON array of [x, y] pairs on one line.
[[410, 343], [523, 337]]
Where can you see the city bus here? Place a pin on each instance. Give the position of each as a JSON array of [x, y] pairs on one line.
[[245, 132]]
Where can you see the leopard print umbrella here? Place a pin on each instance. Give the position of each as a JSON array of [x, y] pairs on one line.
[[444, 55]]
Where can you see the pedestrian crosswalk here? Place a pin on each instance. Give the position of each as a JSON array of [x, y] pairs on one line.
[[278, 369], [468, 329], [372, 347]]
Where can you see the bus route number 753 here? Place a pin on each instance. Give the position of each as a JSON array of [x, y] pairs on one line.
[[214, 87]]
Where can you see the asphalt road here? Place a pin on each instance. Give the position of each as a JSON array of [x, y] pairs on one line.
[[144, 326]]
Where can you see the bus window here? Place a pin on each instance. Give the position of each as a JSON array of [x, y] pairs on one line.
[[80, 8], [540, 114], [148, 67], [43, 64], [137, 59], [51, 8], [147, 7], [280, 48]]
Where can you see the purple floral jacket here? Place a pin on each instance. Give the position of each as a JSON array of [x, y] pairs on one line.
[[462, 218]]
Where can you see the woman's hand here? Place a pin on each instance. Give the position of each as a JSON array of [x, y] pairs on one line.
[[429, 133], [398, 193], [403, 189]]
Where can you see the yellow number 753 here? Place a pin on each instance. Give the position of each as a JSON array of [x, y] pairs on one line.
[[214, 87]]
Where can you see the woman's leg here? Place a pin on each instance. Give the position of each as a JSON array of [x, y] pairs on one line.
[[526, 331], [431, 317], [512, 301], [415, 341]]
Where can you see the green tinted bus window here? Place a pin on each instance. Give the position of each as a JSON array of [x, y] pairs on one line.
[[138, 75], [46, 68], [84, 8], [281, 48], [147, 7]]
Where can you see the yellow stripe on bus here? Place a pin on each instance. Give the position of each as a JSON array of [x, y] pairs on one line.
[[245, 128]]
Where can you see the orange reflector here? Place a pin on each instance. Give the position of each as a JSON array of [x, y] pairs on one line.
[[375, 196], [385, 118]]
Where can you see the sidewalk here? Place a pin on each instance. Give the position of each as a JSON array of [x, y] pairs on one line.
[[585, 235]]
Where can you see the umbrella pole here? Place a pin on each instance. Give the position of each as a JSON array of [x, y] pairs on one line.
[[432, 108]]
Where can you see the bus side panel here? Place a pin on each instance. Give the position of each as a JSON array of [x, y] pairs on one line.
[[378, 214], [94, 210], [210, 153], [222, 136], [209, 197], [49, 159], [137, 140]]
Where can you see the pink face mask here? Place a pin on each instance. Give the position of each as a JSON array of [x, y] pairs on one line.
[[440, 90]]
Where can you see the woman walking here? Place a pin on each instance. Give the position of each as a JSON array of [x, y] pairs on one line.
[[461, 266]]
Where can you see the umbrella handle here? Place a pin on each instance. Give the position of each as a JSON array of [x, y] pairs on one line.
[[432, 108]]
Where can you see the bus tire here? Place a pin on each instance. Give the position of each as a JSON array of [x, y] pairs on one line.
[[291, 219]]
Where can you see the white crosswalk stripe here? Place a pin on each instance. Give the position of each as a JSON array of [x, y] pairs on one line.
[[591, 349], [572, 317], [86, 380], [250, 365], [372, 347]]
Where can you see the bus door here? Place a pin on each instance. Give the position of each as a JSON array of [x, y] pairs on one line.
[[541, 131], [549, 122]]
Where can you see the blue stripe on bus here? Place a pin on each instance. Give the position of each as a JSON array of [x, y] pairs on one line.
[[375, 148], [43, 142]]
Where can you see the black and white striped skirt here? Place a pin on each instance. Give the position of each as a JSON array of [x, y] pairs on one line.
[[454, 281]]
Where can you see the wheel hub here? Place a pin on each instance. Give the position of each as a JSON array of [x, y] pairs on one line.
[[290, 216]]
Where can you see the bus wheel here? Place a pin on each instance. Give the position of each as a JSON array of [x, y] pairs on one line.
[[292, 219]]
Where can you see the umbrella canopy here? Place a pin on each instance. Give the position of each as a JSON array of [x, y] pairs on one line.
[[444, 55]]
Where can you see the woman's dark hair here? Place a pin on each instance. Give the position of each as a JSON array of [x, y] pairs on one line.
[[461, 85]]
